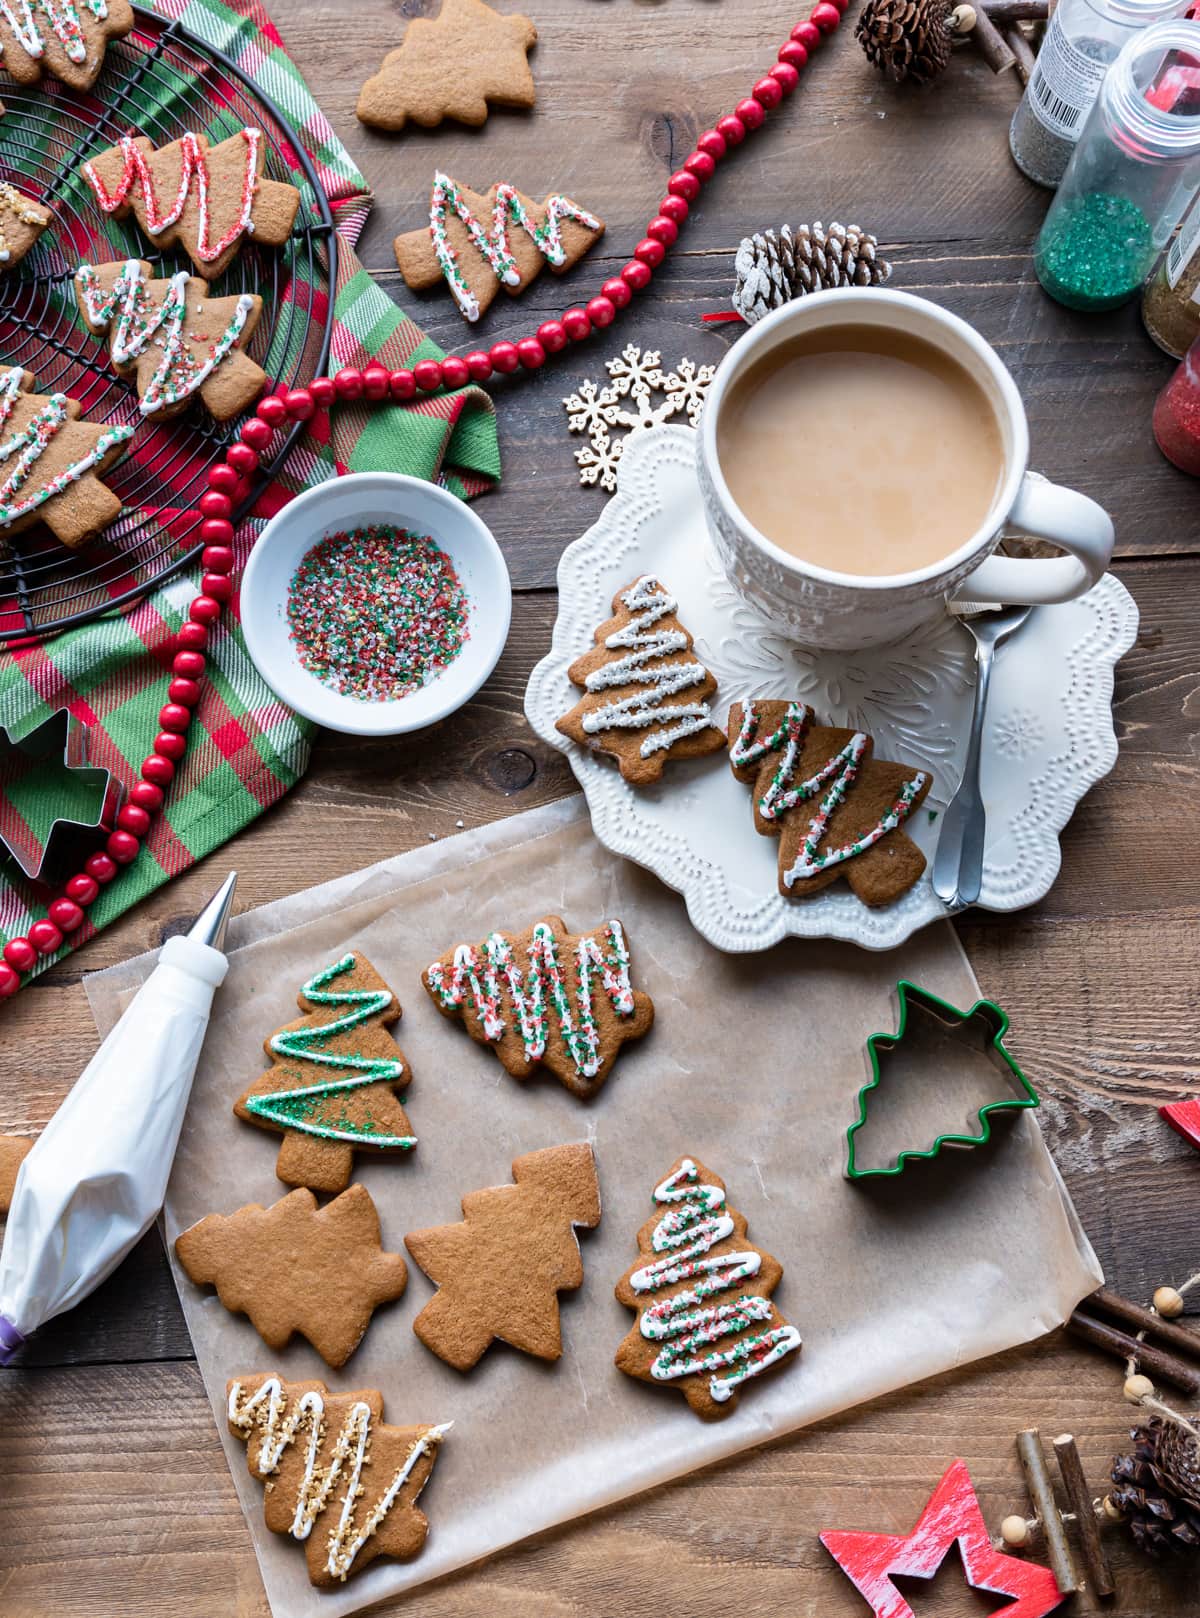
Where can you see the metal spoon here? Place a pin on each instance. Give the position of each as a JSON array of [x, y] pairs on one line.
[[958, 864]]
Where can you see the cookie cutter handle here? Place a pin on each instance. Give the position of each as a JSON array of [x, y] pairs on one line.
[[1067, 519]]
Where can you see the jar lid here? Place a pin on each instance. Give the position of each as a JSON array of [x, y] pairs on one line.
[[1153, 91]]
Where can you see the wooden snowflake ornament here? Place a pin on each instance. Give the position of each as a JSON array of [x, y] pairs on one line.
[[952, 1515], [641, 394]]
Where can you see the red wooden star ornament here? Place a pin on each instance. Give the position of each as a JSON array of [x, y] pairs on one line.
[[871, 1560]]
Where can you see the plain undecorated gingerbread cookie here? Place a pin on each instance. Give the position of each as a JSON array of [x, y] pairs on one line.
[[453, 65], [14, 1149], [296, 1267], [66, 39]]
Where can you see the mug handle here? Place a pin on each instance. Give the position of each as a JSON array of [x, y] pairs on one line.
[[1064, 517]]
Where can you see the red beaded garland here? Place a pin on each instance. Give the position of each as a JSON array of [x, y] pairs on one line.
[[123, 847], [768, 92], [504, 357], [750, 112], [205, 610], [531, 353], [455, 372], [701, 165], [158, 769], [223, 478], [664, 230], [552, 335], [45, 937], [825, 16], [807, 34], [732, 129], [402, 385], [65, 914], [650, 252], [427, 374], [256, 433], [216, 531], [321, 391], [375, 382], [299, 404], [712, 142], [212, 503], [617, 291], [133, 819], [793, 54], [174, 716], [479, 364], [272, 410], [83, 889], [20, 954], [602, 311], [191, 637], [637, 274], [684, 184], [674, 208], [242, 458], [785, 76], [348, 383], [147, 796], [217, 558], [9, 981], [100, 867], [170, 747], [217, 585]]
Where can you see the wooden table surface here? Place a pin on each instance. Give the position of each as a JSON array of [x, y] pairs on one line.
[[114, 1494]]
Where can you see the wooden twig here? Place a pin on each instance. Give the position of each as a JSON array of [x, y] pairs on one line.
[[1075, 1484], [1002, 12], [1021, 49], [1132, 1314], [991, 43], [1041, 1495], [1155, 1362]]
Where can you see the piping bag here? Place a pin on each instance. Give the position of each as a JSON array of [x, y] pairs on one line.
[[95, 1180]]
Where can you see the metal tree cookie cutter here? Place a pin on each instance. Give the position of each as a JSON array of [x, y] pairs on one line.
[[977, 1036], [60, 739]]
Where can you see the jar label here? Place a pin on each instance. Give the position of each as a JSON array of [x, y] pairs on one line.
[[1183, 248], [1064, 83]]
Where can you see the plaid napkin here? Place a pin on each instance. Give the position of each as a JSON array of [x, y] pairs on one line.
[[245, 749]]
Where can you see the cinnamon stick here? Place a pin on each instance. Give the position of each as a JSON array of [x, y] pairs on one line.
[[1041, 1495], [1079, 1496], [1132, 1314], [1005, 11], [1021, 49], [991, 43], [1155, 1362]]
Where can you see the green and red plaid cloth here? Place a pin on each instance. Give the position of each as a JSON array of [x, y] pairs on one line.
[[245, 749]]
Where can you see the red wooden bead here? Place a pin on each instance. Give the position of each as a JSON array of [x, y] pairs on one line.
[[83, 889], [20, 954], [552, 336], [212, 503], [683, 184], [733, 129], [158, 769], [66, 914], [807, 34], [123, 846], [456, 373], [242, 459], [793, 53], [174, 716], [402, 384], [750, 112], [322, 392], [299, 404], [147, 796], [217, 585], [191, 637], [216, 531], [637, 275], [674, 208], [701, 165], [204, 610], [427, 374], [602, 311], [223, 477], [785, 76], [375, 382], [45, 936], [100, 867], [663, 230], [348, 383], [617, 292], [768, 92], [576, 324], [217, 558], [256, 433], [712, 142], [479, 364], [272, 410], [504, 357], [531, 353], [825, 16], [650, 252], [133, 819], [9, 982], [170, 746]]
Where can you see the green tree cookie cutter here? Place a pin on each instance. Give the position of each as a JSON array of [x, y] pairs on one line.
[[984, 1017]]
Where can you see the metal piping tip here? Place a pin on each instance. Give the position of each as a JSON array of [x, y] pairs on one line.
[[209, 926]]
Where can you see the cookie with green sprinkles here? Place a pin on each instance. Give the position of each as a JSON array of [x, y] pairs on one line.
[[331, 1087]]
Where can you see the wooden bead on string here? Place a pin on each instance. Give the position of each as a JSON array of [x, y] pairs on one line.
[[1138, 1388], [1168, 1303]]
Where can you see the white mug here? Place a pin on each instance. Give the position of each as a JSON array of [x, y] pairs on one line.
[[823, 608]]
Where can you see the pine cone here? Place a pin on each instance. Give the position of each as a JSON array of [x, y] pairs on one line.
[[774, 267], [1158, 1488], [906, 39]]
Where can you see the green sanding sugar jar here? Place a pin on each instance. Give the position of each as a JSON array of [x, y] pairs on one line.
[[1132, 176]]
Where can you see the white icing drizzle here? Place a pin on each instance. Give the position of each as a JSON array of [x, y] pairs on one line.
[[64, 19], [647, 646]]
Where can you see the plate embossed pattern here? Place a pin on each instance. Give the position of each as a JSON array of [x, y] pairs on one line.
[[1049, 734]]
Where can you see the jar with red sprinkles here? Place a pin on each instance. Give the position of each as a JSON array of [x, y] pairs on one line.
[[1177, 414]]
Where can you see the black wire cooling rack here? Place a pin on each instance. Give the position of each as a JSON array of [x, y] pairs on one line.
[[159, 81]]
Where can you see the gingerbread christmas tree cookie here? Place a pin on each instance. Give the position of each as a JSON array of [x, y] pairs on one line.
[[172, 338], [330, 1090], [454, 65], [500, 1271], [14, 1149], [835, 809], [546, 997], [22, 221], [51, 462], [647, 696], [337, 1478], [65, 38], [296, 1267], [479, 244], [199, 197], [702, 1292]]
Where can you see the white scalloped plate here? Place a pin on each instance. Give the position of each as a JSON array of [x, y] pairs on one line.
[[1049, 731]]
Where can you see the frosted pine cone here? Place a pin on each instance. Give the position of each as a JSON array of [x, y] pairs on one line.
[[773, 267]]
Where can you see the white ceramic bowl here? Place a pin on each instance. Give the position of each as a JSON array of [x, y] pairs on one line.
[[350, 502]]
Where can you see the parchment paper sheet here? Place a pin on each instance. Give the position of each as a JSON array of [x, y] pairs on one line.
[[752, 1066]]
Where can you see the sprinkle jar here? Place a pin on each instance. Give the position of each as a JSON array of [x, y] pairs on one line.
[[1132, 176], [1177, 414]]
